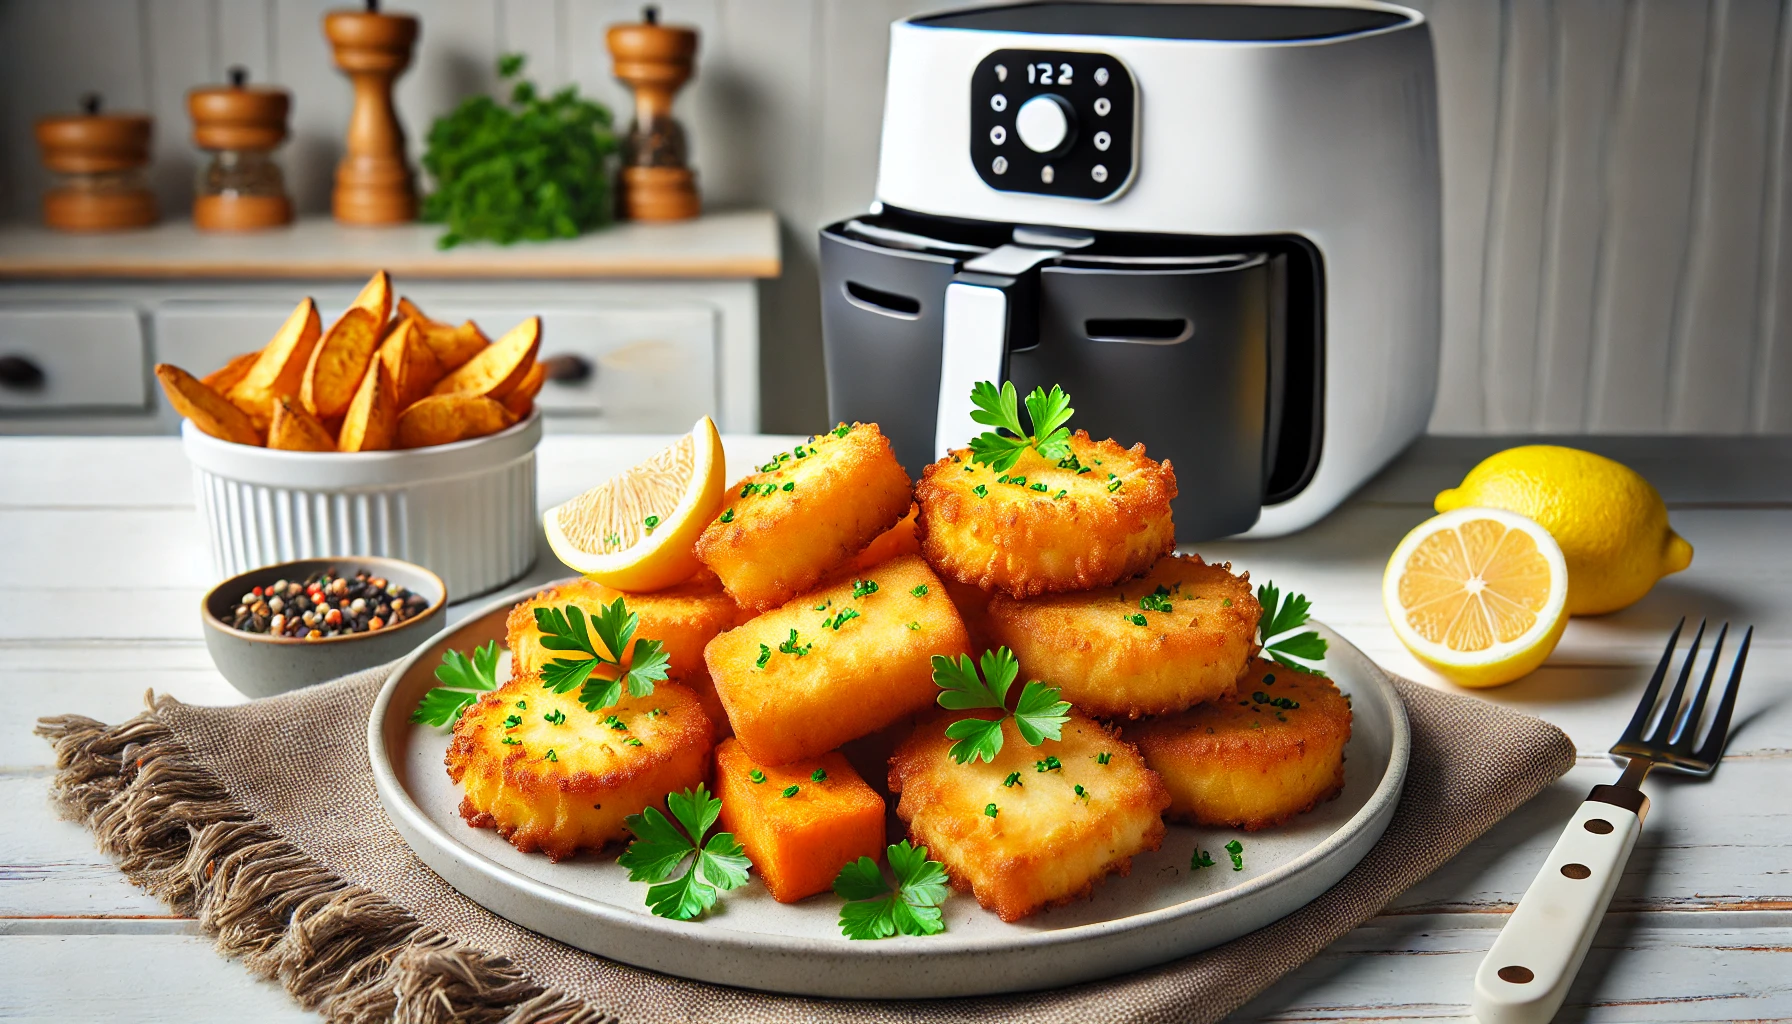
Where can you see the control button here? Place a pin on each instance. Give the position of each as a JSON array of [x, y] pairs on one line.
[[1101, 75], [1102, 106], [1001, 72], [998, 103], [1046, 175], [1102, 141], [1043, 123], [999, 165], [999, 135], [1099, 172]]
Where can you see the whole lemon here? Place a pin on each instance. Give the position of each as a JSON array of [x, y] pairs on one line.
[[1610, 522]]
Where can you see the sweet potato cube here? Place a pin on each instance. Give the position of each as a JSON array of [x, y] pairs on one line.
[[836, 663], [801, 822]]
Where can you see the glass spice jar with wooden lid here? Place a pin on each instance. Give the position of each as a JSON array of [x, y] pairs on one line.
[[240, 188], [97, 160]]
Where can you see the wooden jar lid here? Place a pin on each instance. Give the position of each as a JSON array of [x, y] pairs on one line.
[[365, 41], [238, 115], [648, 52], [94, 143]]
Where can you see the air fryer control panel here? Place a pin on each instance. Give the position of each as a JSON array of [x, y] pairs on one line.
[[1054, 123]]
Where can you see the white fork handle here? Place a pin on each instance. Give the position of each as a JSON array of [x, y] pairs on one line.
[[1527, 972]]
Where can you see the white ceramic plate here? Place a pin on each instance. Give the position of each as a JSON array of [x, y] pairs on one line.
[[1161, 911]]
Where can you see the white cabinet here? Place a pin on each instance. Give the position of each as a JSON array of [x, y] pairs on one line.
[[60, 358]]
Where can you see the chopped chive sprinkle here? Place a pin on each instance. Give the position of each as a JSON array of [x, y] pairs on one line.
[[790, 791], [990, 810], [1012, 780], [523, 704], [818, 775], [551, 756], [790, 486], [1081, 793], [841, 431], [555, 717], [513, 721], [1200, 860], [860, 588], [980, 490], [650, 522], [765, 655], [1136, 618], [1236, 850], [1040, 487], [615, 723], [757, 776], [1114, 485], [1103, 757], [1050, 764], [920, 590], [511, 741], [633, 742], [728, 516], [916, 626]]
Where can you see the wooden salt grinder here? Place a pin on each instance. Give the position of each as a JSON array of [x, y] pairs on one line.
[[98, 160], [655, 61], [241, 188], [373, 183]]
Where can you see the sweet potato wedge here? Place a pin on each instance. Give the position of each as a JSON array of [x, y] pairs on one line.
[[371, 423], [522, 401], [376, 297], [338, 363], [225, 377], [280, 367], [209, 411], [444, 419], [800, 823], [414, 368], [498, 368], [452, 345], [295, 430]]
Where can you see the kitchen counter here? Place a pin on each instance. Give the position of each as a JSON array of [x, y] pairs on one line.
[[102, 563], [742, 244]]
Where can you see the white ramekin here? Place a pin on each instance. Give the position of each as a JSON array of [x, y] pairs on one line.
[[466, 511]]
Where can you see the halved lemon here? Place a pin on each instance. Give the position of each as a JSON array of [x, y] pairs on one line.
[[1479, 594], [636, 532]]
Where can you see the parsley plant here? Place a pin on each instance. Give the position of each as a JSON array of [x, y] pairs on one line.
[[1039, 714], [563, 629], [463, 680], [999, 409], [1281, 617], [659, 849], [875, 911]]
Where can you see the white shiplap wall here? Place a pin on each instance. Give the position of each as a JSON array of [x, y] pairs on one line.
[[1618, 173]]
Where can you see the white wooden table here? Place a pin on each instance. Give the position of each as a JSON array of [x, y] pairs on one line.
[[102, 566]]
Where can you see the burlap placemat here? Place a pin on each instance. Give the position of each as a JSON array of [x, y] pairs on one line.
[[261, 820]]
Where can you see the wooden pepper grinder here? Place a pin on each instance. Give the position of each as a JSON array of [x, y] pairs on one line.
[[241, 187], [373, 183], [655, 61], [98, 160]]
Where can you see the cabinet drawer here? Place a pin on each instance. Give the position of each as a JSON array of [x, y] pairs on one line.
[[648, 370], [72, 357]]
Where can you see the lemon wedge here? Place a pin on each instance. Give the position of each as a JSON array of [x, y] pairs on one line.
[[636, 532], [1478, 594]]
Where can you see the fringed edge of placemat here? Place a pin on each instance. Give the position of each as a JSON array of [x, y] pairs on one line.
[[339, 949]]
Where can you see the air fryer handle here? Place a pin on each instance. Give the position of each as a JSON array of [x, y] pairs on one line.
[[989, 311]]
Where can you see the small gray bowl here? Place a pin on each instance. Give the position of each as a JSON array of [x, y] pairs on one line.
[[263, 666]]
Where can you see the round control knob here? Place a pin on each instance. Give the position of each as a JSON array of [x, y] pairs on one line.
[[1044, 124]]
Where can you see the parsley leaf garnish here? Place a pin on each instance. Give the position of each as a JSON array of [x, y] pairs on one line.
[[659, 849], [1039, 714], [874, 911], [563, 629], [463, 680], [1282, 617], [1000, 409]]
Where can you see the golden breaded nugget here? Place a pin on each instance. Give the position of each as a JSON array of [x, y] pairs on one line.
[[1176, 637], [1100, 515], [684, 618], [1256, 761], [804, 514], [445, 419], [897, 540], [296, 430], [1023, 832], [209, 411], [830, 666], [568, 778]]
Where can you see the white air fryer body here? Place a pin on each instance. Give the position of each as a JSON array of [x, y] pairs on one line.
[[1332, 139]]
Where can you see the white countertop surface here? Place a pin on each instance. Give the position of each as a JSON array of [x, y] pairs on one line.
[[102, 564], [738, 244]]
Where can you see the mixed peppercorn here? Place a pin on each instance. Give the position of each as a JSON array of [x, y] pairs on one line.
[[326, 604]]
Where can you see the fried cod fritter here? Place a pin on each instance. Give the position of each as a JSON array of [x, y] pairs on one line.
[[800, 823], [683, 617], [1100, 515], [1047, 843], [1254, 762], [553, 777], [829, 666], [1178, 636], [805, 513]]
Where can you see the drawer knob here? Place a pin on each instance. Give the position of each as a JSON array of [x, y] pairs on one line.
[[17, 373], [567, 368]]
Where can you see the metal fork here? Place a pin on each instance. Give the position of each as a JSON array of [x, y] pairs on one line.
[[1526, 974]]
